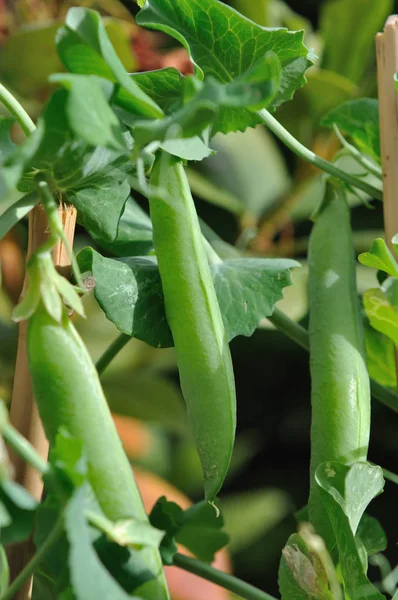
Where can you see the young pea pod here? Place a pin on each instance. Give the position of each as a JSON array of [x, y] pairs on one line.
[[340, 395], [193, 313], [68, 393]]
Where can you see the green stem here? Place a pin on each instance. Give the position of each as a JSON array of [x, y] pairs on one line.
[[241, 588], [299, 334], [35, 562], [290, 141], [358, 156], [111, 352], [8, 100], [23, 448], [293, 330]]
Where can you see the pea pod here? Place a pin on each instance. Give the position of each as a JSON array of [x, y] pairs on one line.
[[193, 313], [68, 393], [340, 395]]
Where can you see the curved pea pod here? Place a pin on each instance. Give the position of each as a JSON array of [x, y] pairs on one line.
[[203, 356], [68, 393], [340, 392]]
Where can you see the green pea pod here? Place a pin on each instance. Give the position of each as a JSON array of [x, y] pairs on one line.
[[193, 313], [68, 393], [340, 393]]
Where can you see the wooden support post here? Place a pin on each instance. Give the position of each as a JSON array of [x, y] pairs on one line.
[[387, 66], [23, 413]]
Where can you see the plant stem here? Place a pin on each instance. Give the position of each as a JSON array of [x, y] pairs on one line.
[[293, 330], [23, 448], [8, 100], [233, 584], [299, 334], [290, 141], [35, 562], [111, 352], [358, 156]]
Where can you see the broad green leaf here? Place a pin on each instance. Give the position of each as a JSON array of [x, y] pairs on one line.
[[252, 89], [347, 25], [147, 397], [188, 149], [198, 528], [360, 120], [302, 574], [224, 44], [382, 316], [346, 491], [353, 487], [4, 570], [100, 207], [247, 290], [380, 257], [164, 86], [134, 232], [16, 212], [168, 517], [84, 48], [90, 579], [201, 532], [371, 534], [129, 291], [68, 459], [21, 507], [89, 114], [381, 358]]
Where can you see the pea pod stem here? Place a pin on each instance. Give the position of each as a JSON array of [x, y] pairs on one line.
[[23, 448], [35, 562], [111, 352], [228, 582], [298, 148], [15, 108]]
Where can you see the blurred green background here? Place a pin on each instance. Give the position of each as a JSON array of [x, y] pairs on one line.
[[257, 196]]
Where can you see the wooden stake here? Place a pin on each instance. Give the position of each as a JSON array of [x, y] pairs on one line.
[[387, 66], [23, 413]]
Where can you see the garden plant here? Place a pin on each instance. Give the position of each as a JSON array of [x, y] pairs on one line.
[[104, 137]]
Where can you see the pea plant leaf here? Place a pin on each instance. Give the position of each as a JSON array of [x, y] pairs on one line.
[[224, 44], [16, 212], [346, 491], [301, 572], [84, 48], [7, 147], [90, 579], [133, 230], [201, 101], [371, 534], [360, 120], [88, 111], [247, 290], [18, 511], [198, 528], [129, 290], [381, 314], [380, 257], [380, 355]]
